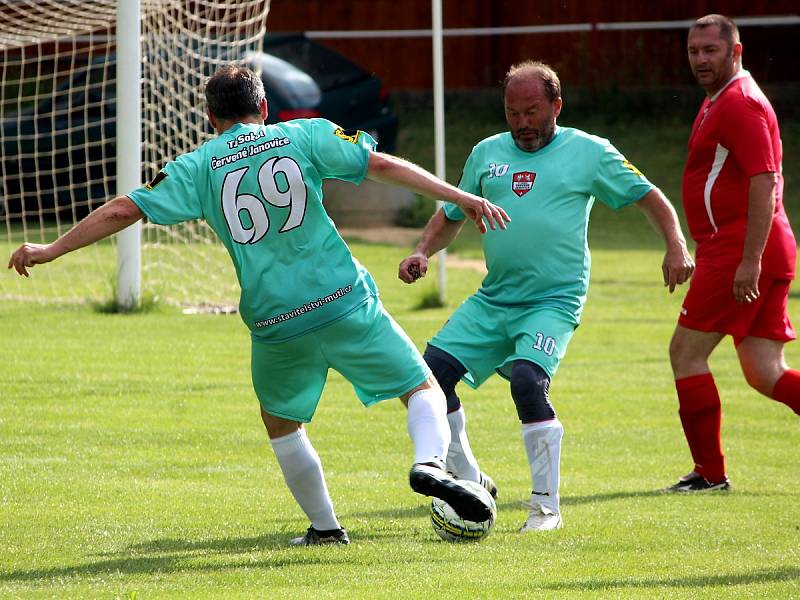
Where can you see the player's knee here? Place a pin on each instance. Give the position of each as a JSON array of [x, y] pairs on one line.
[[448, 372], [761, 380], [677, 353], [530, 387], [684, 357], [278, 427], [761, 370]]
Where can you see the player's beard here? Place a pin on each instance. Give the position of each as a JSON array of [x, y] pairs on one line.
[[713, 76], [532, 139]]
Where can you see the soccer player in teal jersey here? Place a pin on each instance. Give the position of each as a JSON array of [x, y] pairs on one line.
[[522, 318], [310, 306]]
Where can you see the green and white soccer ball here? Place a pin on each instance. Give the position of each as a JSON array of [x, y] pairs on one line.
[[452, 528]]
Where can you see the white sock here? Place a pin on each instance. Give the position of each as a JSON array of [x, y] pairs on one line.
[[302, 471], [427, 426], [543, 444], [460, 460]]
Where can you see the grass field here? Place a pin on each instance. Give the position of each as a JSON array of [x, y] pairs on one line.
[[134, 465]]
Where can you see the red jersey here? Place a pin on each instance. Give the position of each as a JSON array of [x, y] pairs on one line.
[[734, 137]]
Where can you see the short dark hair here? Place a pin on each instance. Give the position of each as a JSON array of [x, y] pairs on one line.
[[727, 28], [234, 91], [552, 85]]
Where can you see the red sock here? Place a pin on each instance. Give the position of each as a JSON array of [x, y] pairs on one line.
[[787, 390], [701, 417]]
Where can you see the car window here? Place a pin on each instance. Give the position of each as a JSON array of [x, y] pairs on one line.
[[329, 69], [282, 78]]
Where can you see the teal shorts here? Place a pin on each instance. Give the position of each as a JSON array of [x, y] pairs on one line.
[[488, 338], [366, 346]]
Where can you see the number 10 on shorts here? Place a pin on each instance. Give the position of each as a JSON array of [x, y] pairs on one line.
[[544, 343]]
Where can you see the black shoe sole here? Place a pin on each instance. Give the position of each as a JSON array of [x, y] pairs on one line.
[[315, 539], [700, 490], [465, 503], [694, 486]]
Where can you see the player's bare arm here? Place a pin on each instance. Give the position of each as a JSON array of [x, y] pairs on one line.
[[761, 206], [678, 265], [386, 168], [110, 218], [438, 234]]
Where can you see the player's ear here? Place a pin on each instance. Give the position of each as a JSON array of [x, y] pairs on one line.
[[264, 111], [211, 118], [737, 52], [557, 104]]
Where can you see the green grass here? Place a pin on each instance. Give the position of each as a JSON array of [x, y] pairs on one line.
[[133, 464]]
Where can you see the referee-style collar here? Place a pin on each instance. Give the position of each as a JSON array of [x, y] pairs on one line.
[[738, 75]]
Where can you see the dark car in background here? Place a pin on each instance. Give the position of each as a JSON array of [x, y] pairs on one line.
[[59, 157], [324, 84]]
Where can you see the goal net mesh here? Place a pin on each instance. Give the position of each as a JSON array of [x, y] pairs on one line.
[[58, 137]]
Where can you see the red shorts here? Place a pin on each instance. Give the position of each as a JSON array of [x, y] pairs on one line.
[[710, 306]]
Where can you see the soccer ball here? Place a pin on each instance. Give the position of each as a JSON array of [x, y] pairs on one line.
[[452, 528]]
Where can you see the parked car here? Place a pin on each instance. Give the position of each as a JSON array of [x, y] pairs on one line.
[[51, 152], [326, 84]]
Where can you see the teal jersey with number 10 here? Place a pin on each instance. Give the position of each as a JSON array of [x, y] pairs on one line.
[[259, 187], [543, 258]]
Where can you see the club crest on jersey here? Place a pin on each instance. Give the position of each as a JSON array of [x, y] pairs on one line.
[[522, 182]]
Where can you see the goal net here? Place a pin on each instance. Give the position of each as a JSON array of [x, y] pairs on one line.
[[58, 137]]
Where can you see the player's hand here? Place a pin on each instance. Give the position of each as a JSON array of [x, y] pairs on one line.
[[477, 209], [677, 267], [745, 281], [413, 267], [29, 255]]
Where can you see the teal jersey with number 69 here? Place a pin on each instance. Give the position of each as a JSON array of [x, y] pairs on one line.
[[543, 258], [259, 187]]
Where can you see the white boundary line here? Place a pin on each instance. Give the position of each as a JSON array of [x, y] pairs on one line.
[[769, 21]]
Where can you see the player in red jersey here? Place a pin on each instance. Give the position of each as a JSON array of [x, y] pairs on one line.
[[733, 198]]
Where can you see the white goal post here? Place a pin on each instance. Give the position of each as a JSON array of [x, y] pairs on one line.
[[438, 127], [72, 83], [129, 140]]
